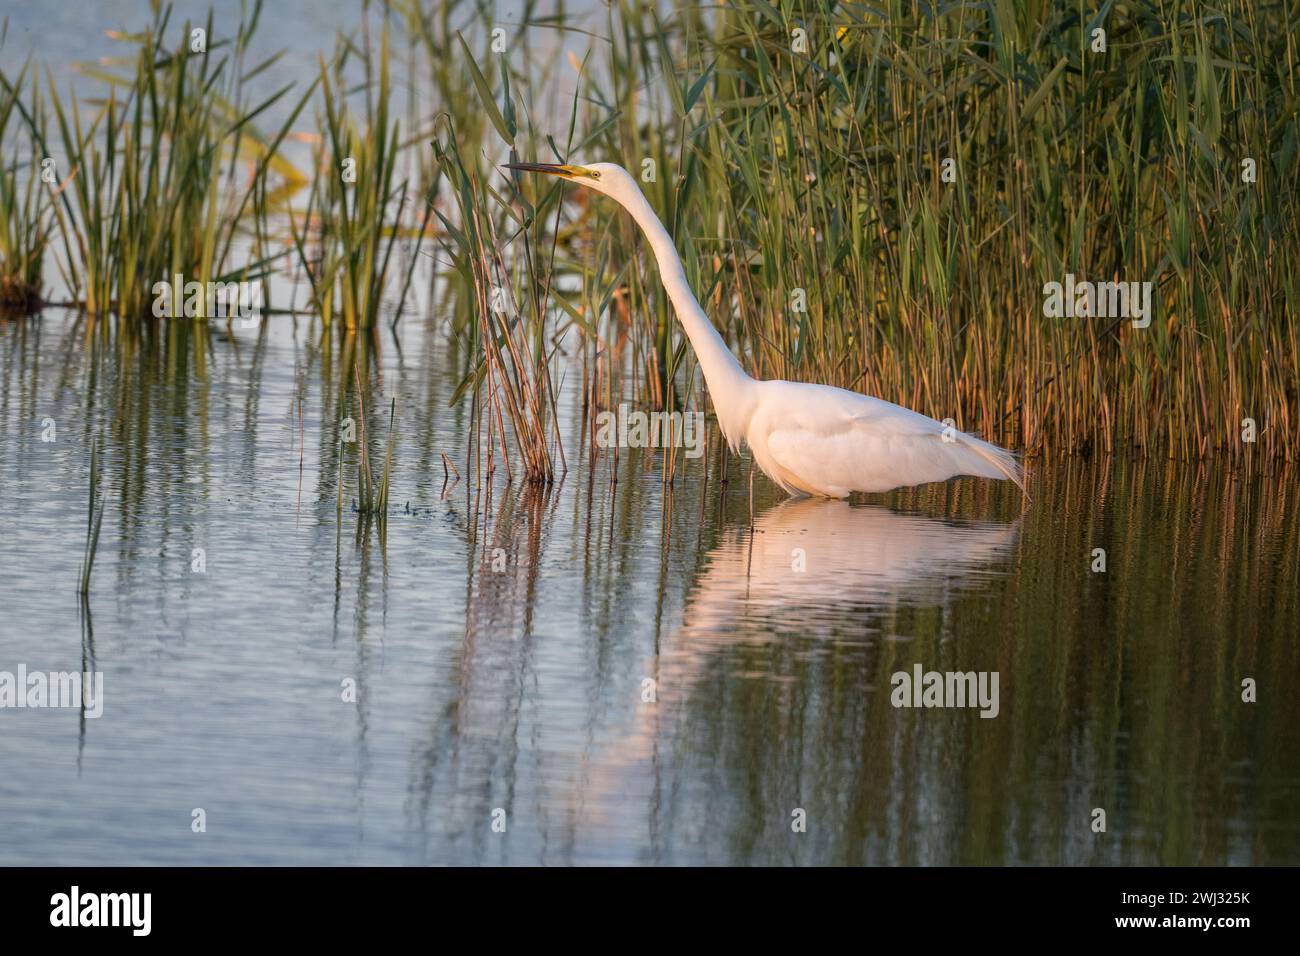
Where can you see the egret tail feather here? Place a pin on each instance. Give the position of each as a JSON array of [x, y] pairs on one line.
[[1003, 461]]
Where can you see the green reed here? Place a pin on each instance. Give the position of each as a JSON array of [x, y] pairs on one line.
[[353, 210], [24, 203], [151, 187], [94, 520], [372, 495]]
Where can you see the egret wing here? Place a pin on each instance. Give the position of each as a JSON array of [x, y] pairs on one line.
[[844, 442]]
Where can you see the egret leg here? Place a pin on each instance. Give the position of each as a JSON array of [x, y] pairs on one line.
[[751, 493]]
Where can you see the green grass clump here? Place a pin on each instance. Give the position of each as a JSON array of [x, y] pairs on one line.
[[153, 175], [353, 213], [24, 203]]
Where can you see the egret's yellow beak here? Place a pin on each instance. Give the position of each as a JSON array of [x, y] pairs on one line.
[[554, 169]]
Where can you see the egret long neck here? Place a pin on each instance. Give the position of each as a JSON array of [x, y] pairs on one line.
[[727, 381]]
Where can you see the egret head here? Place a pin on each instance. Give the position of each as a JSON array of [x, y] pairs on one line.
[[608, 178]]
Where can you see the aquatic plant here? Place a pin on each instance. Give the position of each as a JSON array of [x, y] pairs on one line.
[[94, 520], [353, 213], [24, 203], [150, 187], [878, 198]]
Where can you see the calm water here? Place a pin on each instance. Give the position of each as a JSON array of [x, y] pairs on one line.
[[500, 648]]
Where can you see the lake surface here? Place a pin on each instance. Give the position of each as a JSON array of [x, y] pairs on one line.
[[501, 647]]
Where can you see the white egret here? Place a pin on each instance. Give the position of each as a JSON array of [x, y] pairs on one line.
[[809, 439]]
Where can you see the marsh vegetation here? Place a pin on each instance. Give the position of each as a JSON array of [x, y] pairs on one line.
[[393, 475], [870, 198]]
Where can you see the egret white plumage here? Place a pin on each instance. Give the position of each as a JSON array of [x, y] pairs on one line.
[[810, 439]]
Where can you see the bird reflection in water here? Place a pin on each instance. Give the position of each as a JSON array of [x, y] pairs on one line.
[[806, 563]]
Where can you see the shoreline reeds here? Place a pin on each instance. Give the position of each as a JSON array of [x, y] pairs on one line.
[[868, 198]]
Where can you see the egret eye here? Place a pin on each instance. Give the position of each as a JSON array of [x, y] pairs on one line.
[[595, 173]]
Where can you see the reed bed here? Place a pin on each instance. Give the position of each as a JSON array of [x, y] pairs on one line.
[[870, 196], [807, 194], [147, 193]]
